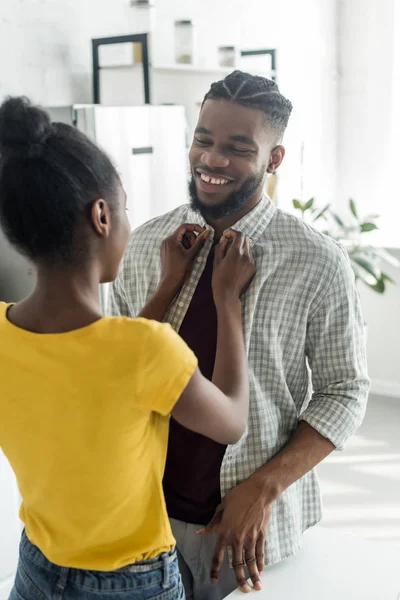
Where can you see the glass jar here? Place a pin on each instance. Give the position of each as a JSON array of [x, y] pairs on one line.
[[184, 42], [227, 56]]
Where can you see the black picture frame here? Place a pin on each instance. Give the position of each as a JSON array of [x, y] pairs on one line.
[[140, 38], [260, 52]]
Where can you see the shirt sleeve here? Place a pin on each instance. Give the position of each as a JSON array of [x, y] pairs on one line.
[[335, 348], [167, 365]]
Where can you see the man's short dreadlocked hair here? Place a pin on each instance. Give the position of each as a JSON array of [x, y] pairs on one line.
[[254, 92]]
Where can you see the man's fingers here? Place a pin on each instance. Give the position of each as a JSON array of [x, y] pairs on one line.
[[217, 559], [238, 564], [260, 552], [251, 562]]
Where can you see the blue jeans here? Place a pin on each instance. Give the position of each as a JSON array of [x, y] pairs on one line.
[[39, 579]]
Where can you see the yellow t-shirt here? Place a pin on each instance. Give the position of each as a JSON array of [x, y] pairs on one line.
[[84, 419]]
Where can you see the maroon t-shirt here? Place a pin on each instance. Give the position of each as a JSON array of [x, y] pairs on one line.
[[191, 479]]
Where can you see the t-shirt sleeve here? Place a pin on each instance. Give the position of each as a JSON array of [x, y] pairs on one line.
[[167, 365]]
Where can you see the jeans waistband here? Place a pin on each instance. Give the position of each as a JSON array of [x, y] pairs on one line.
[[146, 566]]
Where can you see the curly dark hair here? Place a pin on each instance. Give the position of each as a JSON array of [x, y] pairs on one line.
[[50, 174]]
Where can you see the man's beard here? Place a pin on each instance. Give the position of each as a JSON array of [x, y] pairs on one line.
[[234, 203]]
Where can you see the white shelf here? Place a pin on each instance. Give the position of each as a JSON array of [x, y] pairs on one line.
[[177, 68], [111, 67], [184, 69], [206, 70], [193, 69]]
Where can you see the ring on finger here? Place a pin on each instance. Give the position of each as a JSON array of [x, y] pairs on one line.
[[251, 560]]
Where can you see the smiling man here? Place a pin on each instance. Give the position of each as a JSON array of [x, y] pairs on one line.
[[304, 337], [230, 183]]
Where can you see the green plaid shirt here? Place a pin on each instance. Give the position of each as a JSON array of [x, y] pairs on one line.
[[304, 337]]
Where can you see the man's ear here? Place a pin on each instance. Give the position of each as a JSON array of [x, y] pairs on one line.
[[276, 158]]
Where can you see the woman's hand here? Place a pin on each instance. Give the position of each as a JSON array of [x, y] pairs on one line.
[[234, 267], [179, 251]]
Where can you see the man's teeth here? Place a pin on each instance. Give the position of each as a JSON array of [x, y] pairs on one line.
[[212, 180]]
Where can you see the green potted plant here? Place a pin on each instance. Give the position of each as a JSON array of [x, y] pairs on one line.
[[366, 260]]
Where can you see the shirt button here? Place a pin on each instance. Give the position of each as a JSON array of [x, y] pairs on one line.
[[181, 304], [199, 259]]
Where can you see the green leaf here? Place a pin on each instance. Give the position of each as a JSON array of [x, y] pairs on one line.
[[379, 286], [309, 204], [386, 277], [321, 213], [367, 266], [297, 204], [368, 227], [353, 208], [364, 276], [338, 219]]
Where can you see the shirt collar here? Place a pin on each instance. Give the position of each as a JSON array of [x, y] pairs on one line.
[[251, 225]]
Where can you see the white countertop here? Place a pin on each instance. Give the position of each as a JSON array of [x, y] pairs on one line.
[[333, 566]]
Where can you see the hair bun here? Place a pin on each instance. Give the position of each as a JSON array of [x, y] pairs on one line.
[[23, 128]]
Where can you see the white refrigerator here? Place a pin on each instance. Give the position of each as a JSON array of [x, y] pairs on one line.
[[148, 147]]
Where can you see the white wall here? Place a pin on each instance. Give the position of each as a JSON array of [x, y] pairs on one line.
[[365, 162], [366, 63], [382, 315]]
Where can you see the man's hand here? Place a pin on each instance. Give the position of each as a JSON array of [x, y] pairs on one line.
[[241, 521], [178, 252]]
